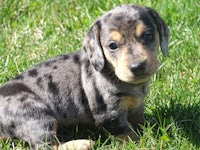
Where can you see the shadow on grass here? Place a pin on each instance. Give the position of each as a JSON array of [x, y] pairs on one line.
[[82, 132], [185, 117]]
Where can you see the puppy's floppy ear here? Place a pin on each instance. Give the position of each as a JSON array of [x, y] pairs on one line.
[[92, 46], [162, 30]]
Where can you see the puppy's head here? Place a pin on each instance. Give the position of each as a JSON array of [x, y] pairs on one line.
[[126, 39]]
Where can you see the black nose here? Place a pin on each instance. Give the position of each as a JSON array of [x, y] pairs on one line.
[[138, 68]]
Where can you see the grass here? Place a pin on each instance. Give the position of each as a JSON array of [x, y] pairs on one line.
[[32, 31]]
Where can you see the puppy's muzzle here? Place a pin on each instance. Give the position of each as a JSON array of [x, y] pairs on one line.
[[138, 68]]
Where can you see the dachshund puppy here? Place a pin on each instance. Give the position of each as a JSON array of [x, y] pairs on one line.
[[103, 85]]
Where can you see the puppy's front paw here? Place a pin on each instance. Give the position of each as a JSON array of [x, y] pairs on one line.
[[77, 145]]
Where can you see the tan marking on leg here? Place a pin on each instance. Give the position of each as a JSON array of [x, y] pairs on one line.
[[116, 36]]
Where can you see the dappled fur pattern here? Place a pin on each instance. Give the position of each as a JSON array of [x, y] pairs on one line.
[[103, 85]]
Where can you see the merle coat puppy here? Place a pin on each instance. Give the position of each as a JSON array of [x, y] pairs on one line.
[[103, 85]]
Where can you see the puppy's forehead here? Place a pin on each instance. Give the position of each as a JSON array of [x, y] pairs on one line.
[[127, 16]]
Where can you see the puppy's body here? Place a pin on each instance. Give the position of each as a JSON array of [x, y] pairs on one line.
[[103, 85], [41, 97], [48, 95]]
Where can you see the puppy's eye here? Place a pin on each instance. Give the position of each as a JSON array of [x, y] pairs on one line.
[[113, 46], [147, 36]]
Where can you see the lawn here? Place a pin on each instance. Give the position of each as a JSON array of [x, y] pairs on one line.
[[34, 30]]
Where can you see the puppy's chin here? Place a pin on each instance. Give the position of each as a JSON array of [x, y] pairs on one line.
[[132, 79]]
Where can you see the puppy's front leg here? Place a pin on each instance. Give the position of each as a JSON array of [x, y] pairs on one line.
[[136, 118]]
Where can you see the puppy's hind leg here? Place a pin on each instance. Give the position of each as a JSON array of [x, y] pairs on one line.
[[40, 135], [37, 132], [28, 119]]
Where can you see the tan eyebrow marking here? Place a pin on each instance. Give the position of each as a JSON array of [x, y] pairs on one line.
[[140, 27], [116, 36]]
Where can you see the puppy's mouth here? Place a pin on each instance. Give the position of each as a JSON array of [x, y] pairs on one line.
[[134, 77], [140, 79], [136, 72]]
